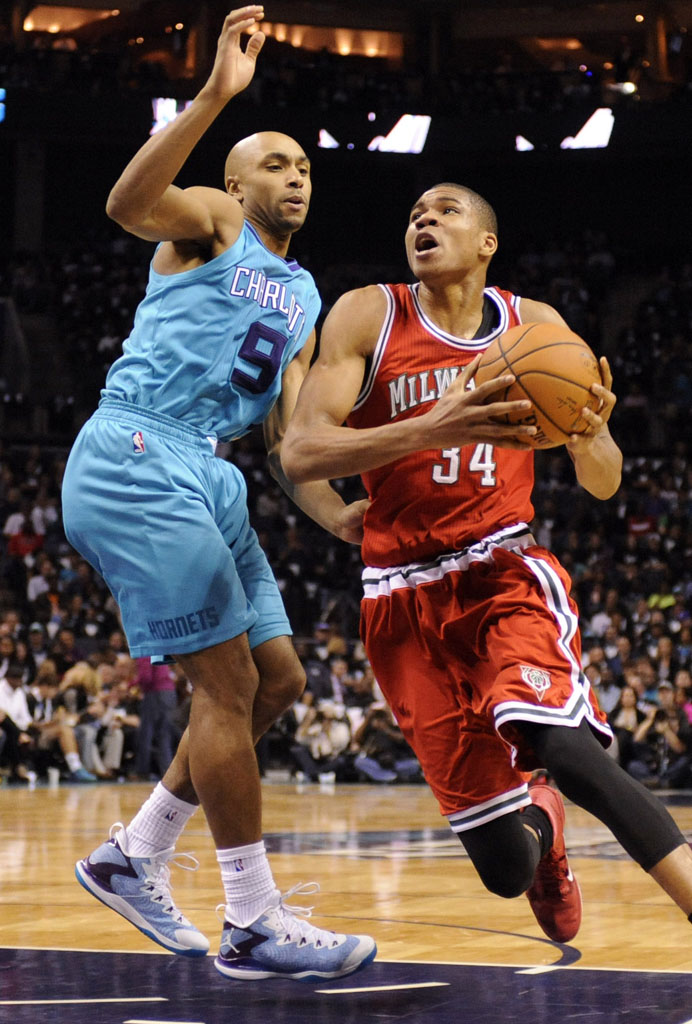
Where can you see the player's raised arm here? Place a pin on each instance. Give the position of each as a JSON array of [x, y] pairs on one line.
[[317, 446], [144, 200]]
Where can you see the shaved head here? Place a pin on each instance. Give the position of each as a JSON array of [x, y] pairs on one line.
[[249, 152]]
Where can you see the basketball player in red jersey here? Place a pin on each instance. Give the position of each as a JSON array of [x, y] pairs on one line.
[[468, 623]]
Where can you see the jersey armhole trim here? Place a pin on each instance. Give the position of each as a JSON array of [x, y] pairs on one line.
[[379, 350]]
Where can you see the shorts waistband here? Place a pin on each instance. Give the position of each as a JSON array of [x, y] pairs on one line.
[[377, 582], [137, 416]]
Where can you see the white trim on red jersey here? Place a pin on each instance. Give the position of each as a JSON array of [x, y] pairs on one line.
[[465, 344], [380, 346], [379, 582]]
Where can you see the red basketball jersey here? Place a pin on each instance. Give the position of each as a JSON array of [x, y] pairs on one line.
[[438, 500]]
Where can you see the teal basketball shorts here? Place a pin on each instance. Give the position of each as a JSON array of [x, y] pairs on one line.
[[166, 524]]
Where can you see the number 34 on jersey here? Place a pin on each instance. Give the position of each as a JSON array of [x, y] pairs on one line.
[[481, 461]]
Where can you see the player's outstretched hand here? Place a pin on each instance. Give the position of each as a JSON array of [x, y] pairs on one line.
[[466, 415], [596, 420], [233, 68]]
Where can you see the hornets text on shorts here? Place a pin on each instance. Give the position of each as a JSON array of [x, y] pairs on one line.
[[184, 625]]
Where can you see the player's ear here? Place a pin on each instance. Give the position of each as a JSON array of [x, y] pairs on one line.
[[234, 188], [488, 244]]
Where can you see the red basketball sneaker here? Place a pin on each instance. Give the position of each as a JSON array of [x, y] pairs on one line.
[[554, 896]]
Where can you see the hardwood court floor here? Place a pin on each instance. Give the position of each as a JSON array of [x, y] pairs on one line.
[[387, 865]]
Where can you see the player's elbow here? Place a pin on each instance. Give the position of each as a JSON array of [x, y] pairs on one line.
[[294, 466], [114, 204], [603, 487], [300, 458], [121, 208], [117, 210]]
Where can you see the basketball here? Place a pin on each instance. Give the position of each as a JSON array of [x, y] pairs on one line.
[[554, 369]]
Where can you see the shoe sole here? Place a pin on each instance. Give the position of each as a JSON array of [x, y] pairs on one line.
[[252, 974], [122, 907]]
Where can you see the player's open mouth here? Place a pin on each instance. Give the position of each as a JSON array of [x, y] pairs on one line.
[[424, 243], [295, 201]]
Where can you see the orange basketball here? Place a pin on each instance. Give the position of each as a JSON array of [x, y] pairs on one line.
[[554, 369]]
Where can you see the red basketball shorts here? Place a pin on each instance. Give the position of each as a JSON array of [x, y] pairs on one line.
[[468, 644]]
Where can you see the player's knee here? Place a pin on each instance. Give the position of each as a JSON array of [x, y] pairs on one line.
[[295, 683], [500, 854], [506, 880], [281, 690]]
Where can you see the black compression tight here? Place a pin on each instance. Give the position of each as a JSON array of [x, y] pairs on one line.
[[505, 853], [590, 778]]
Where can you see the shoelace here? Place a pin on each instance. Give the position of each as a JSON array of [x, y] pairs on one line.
[[158, 876], [554, 875], [292, 915], [159, 881]]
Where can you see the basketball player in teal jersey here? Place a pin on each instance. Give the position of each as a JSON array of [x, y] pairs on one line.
[[221, 341]]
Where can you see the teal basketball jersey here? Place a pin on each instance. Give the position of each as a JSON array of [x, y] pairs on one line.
[[209, 345]]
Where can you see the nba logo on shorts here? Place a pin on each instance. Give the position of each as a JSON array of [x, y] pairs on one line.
[[138, 442], [537, 678]]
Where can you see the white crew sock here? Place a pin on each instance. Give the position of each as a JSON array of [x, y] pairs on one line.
[[157, 825], [247, 882], [73, 762]]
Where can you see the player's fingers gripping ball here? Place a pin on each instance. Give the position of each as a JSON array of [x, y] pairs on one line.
[[554, 368]]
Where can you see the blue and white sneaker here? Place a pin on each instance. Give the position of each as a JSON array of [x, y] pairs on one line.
[[280, 944], [138, 888]]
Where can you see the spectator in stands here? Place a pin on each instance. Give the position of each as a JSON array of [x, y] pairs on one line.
[[321, 636], [625, 719], [322, 741], [100, 733], [8, 648], [25, 543], [19, 516], [621, 659], [64, 650], [339, 679], [15, 719], [12, 624], [155, 743], [360, 693], [38, 643], [44, 579], [662, 745], [25, 659], [118, 644], [79, 685], [666, 663], [50, 727], [683, 691], [381, 752]]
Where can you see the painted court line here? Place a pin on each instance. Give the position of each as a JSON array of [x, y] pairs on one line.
[[70, 1002], [382, 988], [148, 1020], [539, 970]]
